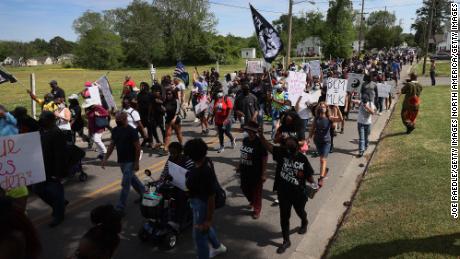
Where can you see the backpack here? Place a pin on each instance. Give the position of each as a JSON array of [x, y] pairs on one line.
[[221, 195]]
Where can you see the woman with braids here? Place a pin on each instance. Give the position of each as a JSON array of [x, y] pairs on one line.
[[101, 241]]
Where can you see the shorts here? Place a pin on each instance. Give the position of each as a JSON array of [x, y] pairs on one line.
[[203, 114], [323, 148]]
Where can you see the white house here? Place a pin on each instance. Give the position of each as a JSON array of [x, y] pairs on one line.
[[46, 60], [32, 62], [248, 53], [65, 58], [443, 43], [12, 61], [309, 47]]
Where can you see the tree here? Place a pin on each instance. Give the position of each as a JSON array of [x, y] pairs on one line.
[[40, 47], [339, 32], [90, 20], [382, 31], [441, 15], [99, 48], [59, 46]]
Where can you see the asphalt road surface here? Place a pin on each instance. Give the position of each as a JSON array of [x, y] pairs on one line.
[[243, 236]]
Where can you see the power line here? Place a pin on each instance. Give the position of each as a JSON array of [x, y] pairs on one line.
[[244, 7]]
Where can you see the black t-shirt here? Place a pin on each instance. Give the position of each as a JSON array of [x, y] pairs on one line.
[[201, 182], [144, 99], [124, 138], [58, 92], [291, 131], [75, 111], [251, 160], [247, 104], [293, 170], [171, 109]]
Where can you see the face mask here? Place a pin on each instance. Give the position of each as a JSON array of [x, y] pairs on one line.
[[220, 94]]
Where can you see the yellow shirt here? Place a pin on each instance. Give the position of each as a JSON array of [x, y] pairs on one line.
[[18, 192], [51, 106]]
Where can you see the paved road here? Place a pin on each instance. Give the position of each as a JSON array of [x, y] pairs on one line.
[[244, 237]]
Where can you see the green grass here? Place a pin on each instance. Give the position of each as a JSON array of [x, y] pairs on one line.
[[72, 80], [402, 209], [442, 68]]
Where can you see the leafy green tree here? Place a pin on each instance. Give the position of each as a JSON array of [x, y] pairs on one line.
[[40, 47], [99, 48], [339, 32], [382, 31], [59, 46]]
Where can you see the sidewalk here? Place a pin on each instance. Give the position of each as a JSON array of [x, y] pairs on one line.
[[332, 211]]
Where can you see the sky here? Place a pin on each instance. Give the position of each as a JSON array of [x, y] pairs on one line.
[[26, 20]]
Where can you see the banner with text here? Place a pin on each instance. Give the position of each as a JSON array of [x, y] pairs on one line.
[[336, 91], [355, 81], [296, 85], [94, 95], [315, 68], [255, 67], [21, 160]]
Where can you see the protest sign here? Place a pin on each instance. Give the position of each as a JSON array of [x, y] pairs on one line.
[[94, 96], [355, 81], [315, 68], [314, 96], [296, 85], [336, 91], [104, 86], [306, 67], [178, 175], [383, 89], [255, 67], [21, 160]]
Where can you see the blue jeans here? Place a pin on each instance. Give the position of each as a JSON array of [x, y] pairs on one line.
[[129, 178], [199, 209], [304, 125], [364, 131], [260, 117]]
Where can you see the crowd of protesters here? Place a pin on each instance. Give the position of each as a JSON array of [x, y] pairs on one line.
[[248, 100]]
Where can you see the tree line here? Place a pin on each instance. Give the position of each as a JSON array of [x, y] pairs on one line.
[[55, 47]]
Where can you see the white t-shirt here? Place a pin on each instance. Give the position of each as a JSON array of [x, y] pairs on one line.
[[180, 86], [133, 117], [364, 117]]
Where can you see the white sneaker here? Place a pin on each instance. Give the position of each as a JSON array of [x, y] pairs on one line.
[[220, 150], [196, 120], [233, 143], [215, 252]]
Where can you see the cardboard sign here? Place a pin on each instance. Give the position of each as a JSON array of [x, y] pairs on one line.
[[104, 86], [383, 89], [336, 91], [21, 160], [178, 175], [296, 85], [255, 67], [94, 96], [315, 68], [355, 81]]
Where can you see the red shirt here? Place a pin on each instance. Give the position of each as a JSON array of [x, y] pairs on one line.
[[222, 107]]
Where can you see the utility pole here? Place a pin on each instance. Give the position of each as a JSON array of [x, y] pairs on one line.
[[288, 59], [361, 28], [428, 34]]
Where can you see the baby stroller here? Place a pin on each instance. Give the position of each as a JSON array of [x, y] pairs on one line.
[[167, 213], [75, 156]]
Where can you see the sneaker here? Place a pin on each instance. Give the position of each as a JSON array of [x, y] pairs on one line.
[[196, 120], [100, 156], [283, 247], [361, 153], [206, 131], [220, 150], [303, 229], [215, 252], [233, 143], [255, 215]]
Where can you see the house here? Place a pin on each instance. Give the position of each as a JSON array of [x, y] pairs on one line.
[[13, 61], [46, 60], [442, 41], [248, 53], [65, 59], [31, 62], [309, 47]]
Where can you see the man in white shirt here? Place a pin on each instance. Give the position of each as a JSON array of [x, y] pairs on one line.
[[366, 110]]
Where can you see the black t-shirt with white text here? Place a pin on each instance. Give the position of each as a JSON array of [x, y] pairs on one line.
[[293, 169], [251, 159]]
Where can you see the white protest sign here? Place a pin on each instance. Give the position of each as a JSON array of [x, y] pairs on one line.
[[314, 96], [383, 89], [104, 86], [21, 160], [296, 85], [336, 91], [178, 175], [255, 67], [94, 95], [315, 68], [355, 81]]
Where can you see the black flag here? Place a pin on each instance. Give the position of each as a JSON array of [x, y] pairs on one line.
[[269, 38], [5, 77]]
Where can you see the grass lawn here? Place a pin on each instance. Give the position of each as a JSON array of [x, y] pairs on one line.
[[442, 68], [72, 80], [402, 209]]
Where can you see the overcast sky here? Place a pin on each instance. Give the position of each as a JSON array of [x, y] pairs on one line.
[[26, 20]]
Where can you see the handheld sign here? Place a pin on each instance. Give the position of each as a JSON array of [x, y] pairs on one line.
[[21, 160], [336, 91], [104, 86], [355, 81], [255, 67], [94, 95], [315, 68], [296, 85]]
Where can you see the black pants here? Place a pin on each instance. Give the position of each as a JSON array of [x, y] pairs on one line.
[[287, 200], [433, 78], [157, 122], [221, 130], [81, 134], [52, 193]]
